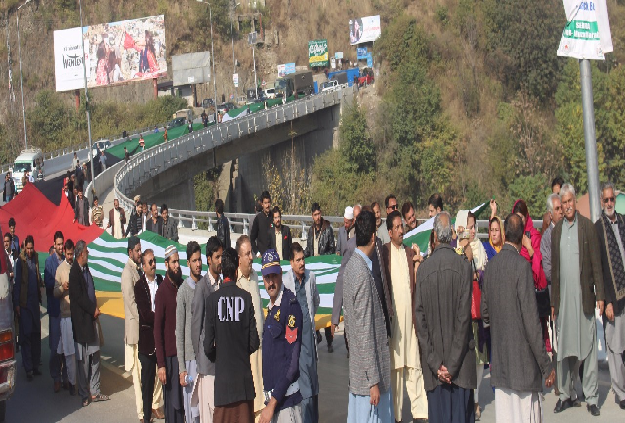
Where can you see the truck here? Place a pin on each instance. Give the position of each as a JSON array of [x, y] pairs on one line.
[[366, 77], [345, 76], [8, 364], [31, 161], [332, 85], [300, 82]]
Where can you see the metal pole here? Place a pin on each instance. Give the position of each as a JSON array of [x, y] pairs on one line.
[[84, 68], [19, 49], [592, 166], [255, 77], [210, 11], [234, 63]]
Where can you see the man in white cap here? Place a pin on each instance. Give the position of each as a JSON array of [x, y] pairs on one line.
[[344, 231], [165, 337]]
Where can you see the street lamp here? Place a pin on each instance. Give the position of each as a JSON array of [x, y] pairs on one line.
[[234, 63], [84, 69], [210, 16], [19, 49]]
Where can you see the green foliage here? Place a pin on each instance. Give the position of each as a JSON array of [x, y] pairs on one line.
[[442, 14], [355, 143], [52, 124], [534, 189], [522, 38]]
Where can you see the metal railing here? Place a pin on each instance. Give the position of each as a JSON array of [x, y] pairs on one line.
[[141, 167]]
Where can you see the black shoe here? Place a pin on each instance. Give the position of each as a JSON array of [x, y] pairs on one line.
[[72, 390], [330, 348], [563, 405], [36, 372], [29, 376], [419, 420], [593, 409], [622, 405]]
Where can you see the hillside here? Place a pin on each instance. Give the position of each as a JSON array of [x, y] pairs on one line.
[[471, 99]]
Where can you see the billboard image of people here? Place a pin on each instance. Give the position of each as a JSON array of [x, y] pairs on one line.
[[363, 30], [126, 51], [115, 53]]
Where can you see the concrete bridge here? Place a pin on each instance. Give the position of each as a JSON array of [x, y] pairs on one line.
[[164, 173]]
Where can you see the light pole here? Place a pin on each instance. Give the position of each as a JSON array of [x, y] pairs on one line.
[[234, 63], [19, 49], [84, 69], [210, 17]]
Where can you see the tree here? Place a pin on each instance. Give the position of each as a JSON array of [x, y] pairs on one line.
[[355, 143]]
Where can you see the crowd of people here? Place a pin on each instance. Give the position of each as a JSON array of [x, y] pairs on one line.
[[521, 304]]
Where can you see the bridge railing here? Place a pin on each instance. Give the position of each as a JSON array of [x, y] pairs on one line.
[[143, 166]]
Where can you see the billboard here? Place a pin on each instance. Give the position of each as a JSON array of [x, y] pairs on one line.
[[361, 53], [587, 32], [318, 53], [116, 53], [289, 68], [68, 63], [363, 30], [191, 68], [281, 70]]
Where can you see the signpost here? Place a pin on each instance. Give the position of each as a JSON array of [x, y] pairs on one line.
[[251, 39], [587, 36], [235, 80]]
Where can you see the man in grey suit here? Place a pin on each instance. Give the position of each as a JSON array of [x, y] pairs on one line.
[[519, 359], [204, 397], [365, 326], [443, 320]]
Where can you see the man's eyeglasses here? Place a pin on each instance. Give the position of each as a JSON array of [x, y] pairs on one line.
[[151, 262], [393, 207], [609, 200]]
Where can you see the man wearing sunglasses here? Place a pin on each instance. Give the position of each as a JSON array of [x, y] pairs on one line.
[[611, 231], [130, 276]]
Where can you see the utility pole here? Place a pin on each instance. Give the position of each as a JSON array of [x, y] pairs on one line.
[[234, 63], [84, 69], [590, 141], [214, 76], [19, 49]]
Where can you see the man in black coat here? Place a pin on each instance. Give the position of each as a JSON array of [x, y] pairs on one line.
[[81, 208], [320, 235], [231, 337], [259, 235], [223, 225], [280, 235], [84, 312]]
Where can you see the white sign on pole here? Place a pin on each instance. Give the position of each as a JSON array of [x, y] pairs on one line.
[[587, 32], [68, 59], [235, 80]]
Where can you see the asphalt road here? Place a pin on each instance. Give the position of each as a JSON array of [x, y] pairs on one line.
[[35, 402]]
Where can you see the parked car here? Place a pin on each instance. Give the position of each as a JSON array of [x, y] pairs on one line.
[[8, 365], [180, 121], [270, 93], [27, 161], [207, 103], [225, 107], [100, 146]]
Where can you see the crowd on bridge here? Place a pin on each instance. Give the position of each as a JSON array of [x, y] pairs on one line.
[[521, 305]]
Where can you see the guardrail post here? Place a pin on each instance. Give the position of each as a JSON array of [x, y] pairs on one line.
[[304, 233], [193, 223], [245, 224]]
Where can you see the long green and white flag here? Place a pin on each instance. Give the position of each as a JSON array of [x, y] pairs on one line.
[[587, 31]]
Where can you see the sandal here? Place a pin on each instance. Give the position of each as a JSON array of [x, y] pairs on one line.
[[100, 397], [86, 402]]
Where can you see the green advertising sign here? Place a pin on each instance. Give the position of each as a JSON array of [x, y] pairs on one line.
[[318, 53]]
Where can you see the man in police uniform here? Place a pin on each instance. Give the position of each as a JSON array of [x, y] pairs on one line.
[[282, 338]]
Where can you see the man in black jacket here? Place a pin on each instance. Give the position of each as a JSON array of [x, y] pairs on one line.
[[85, 312], [145, 293], [611, 232], [81, 208], [280, 236], [135, 223], [154, 222], [9, 188], [259, 234], [231, 337], [223, 226], [320, 240]]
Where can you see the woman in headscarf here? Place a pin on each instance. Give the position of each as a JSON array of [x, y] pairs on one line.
[[531, 252], [495, 233]]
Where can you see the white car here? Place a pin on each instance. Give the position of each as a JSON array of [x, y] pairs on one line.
[[270, 93], [99, 146]]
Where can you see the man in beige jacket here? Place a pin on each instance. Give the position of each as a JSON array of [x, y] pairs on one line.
[[248, 280], [61, 291], [130, 276]]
